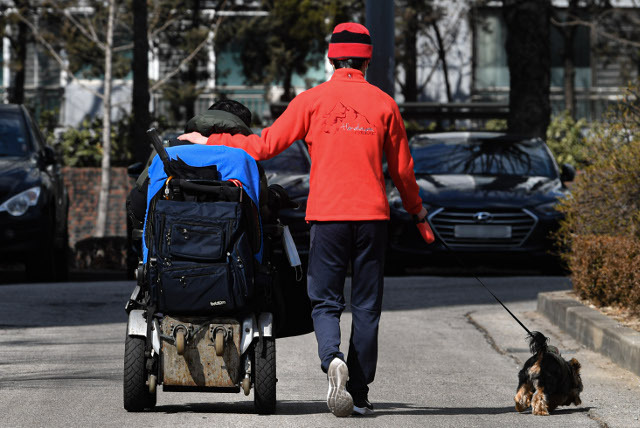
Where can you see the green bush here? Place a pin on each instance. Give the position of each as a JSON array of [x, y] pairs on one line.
[[604, 208], [565, 139], [48, 120], [82, 146]]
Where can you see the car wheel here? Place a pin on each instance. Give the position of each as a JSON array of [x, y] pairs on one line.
[[394, 267], [552, 266], [61, 260], [41, 264], [61, 254], [51, 261]]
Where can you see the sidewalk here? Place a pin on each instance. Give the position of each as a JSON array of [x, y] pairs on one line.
[[592, 329]]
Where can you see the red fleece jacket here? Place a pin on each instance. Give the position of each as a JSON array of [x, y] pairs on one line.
[[347, 124]]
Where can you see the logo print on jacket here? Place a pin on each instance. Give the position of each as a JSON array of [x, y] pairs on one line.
[[346, 119]]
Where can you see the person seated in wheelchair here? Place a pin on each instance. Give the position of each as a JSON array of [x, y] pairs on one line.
[[224, 116]]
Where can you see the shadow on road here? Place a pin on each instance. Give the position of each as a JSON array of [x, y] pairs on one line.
[[94, 297], [294, 407], [408, 409], [245, 406]]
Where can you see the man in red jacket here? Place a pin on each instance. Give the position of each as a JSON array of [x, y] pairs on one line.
[[348, 124]]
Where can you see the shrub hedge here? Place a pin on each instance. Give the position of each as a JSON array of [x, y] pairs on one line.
[[601, 229], [606, 270]]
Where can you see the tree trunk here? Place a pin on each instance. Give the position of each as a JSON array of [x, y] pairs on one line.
[[141, 116], [103, 198], [192, 73], [409, 60], [16, 95], [443, 60], [529, 60], [380, 22], [287, 94], [569, 33]]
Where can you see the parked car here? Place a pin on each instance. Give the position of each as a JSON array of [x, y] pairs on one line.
[[485, 193], [33, 199]]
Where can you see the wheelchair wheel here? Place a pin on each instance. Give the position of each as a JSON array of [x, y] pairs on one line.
[[264, 372], [219, 344], [180, 341], [246, 385], [136, 391]]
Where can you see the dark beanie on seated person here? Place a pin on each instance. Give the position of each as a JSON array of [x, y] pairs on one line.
[[217, 122]]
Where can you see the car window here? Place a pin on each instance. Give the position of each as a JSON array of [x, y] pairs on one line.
[[482, 157], [293, 160], [36, 136], [13, 138]]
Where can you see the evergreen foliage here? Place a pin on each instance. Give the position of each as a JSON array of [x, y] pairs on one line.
[[82, 146], [566, 140], [291, 39]]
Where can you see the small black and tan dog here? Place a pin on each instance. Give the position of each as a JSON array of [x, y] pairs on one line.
[[547, 380]]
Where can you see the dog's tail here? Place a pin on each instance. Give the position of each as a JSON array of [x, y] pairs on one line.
[[537, 342]]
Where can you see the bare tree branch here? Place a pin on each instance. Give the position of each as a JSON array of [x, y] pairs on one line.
[[54, 54], [167, 21], [184, 61], [192, 55], [595, 27], [428, 78], [94, 35], [122, 48], [164, 26], [449, 35], [91, 35]]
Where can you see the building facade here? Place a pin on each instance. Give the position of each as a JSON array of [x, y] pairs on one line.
[[474, 37]]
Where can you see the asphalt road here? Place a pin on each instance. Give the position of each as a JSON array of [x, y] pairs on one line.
[[449, 357]]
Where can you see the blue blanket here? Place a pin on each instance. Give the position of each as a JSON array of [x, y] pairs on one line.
[[232, 163]]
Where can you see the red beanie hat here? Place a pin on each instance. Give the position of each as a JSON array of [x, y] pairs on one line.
[[350, 40]]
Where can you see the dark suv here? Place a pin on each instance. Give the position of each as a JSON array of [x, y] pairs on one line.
[[487, 194], [33, 198]]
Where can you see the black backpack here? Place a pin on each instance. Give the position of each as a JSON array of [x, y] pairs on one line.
[[202, 235]]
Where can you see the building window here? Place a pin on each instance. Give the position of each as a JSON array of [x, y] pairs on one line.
[[581, 56], [491, 69]]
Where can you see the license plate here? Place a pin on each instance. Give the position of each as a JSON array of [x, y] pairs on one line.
[[482, 231]]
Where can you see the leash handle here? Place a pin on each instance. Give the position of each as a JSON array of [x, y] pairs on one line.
[[425, 229]]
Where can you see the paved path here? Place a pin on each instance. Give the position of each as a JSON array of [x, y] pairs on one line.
[[449, 357]]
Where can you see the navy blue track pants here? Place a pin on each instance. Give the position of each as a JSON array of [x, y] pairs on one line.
[[333, 246]]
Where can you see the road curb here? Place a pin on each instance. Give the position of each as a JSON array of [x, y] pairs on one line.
[[592, 329]]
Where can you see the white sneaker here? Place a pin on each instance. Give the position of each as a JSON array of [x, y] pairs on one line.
[[338, 399]]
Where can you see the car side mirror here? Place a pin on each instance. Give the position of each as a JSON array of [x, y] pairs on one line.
[[48, 155], [568, 173], [135, 169]]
